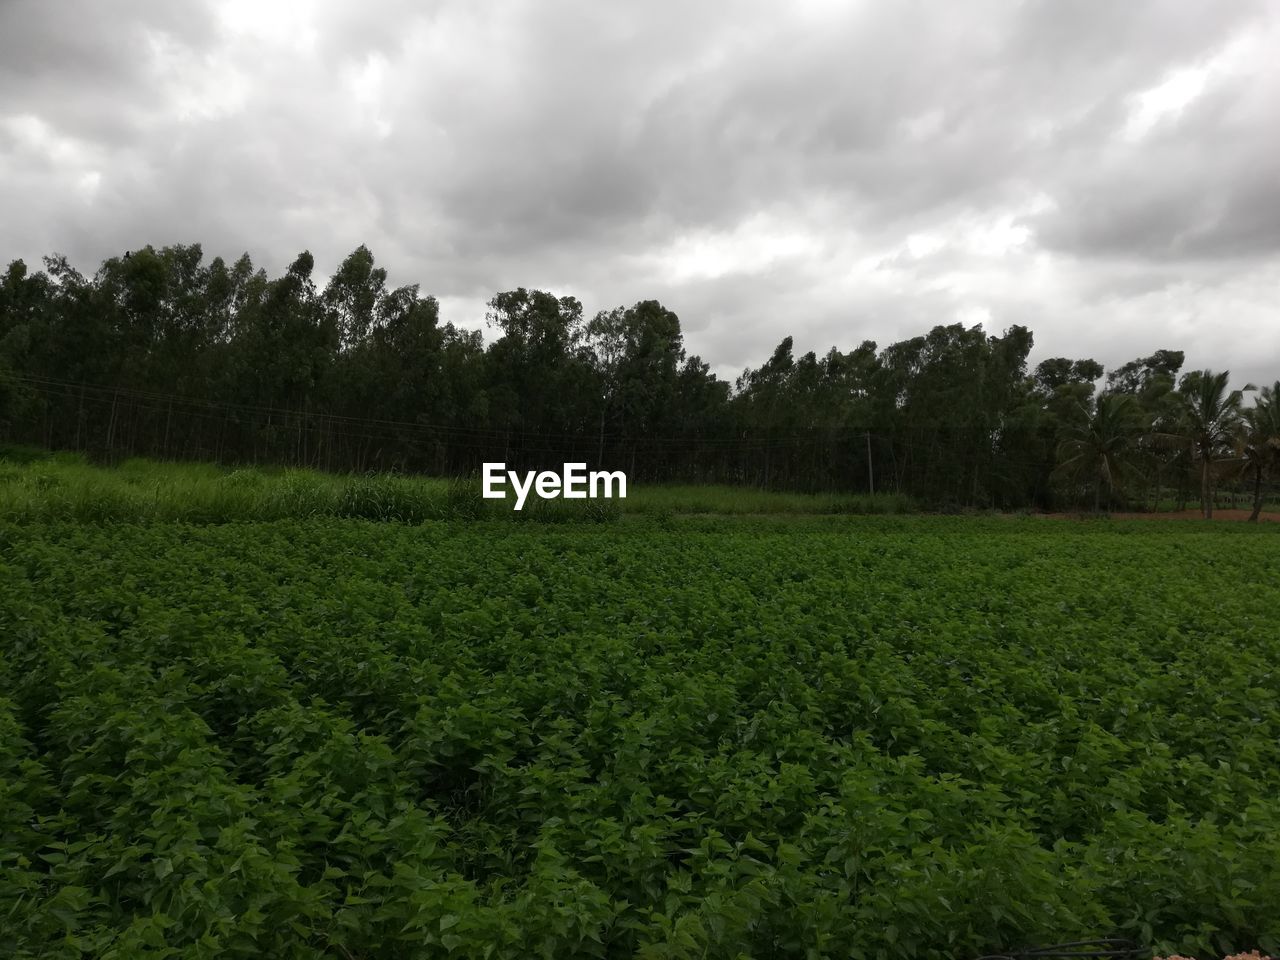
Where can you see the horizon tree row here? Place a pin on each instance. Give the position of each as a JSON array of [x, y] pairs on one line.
[[160, 353]]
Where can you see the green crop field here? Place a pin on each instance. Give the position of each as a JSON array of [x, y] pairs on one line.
[[657, 737]]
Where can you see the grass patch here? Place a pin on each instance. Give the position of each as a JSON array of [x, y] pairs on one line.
[[67, 487]]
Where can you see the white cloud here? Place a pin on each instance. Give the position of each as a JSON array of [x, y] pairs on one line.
[[1166, 99], [1103, 173], [288, 24], [761, 242]]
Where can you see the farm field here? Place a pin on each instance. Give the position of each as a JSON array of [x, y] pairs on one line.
[[669, 737]]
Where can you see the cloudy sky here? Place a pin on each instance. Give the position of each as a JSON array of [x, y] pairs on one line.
[[1106, 173]]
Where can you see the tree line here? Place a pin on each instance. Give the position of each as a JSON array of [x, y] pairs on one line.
[[160, 353]]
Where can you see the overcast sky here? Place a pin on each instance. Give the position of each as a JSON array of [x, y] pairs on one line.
[[1104, 172]]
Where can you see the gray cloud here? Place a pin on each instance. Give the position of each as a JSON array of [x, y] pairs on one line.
[[1102, 172]]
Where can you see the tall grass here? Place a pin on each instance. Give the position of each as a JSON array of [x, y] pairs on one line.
[[66, 486]]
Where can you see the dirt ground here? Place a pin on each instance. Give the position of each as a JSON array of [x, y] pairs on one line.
[[1193, 514]]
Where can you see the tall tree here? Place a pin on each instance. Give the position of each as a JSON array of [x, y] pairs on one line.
[[1102, 448], [637, 352], [1258, 442], [353, 295], [540, 374], [1210, 418]]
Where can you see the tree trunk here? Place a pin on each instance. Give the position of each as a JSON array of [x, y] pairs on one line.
[[600, 446], [871, 471], [79, 416], [111, 423], [1257, 494], [1206, 501]]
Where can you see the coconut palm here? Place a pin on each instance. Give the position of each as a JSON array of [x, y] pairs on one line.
[[1210, 419], [1258, 443], [1104, 446]]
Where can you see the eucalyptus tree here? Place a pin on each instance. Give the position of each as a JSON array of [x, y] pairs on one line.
[[353, 295], [948, 399], [24, 317], [637, 354], [1210, 419], [1104, 446], [540, 376]]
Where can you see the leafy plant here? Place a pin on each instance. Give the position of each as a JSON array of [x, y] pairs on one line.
[[874, 736]]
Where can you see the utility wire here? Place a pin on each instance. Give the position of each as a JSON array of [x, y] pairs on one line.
[[331, 421]]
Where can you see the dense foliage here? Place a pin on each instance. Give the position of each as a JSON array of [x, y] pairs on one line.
[[894, 737], [162, 354]]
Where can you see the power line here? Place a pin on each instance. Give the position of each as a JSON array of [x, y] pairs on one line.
[[480, 438], [332, 421]]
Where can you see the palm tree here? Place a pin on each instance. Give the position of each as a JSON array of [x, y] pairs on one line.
[[1104, 445], [1210, 418], [1259, 442]]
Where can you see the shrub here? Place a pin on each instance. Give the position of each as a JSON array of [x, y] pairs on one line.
[[464, 499]]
